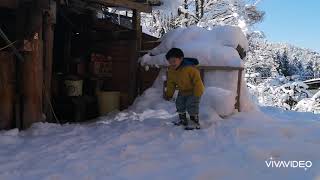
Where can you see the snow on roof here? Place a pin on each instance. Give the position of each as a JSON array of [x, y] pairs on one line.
[[168, 6], [216, 47], [316, 80]]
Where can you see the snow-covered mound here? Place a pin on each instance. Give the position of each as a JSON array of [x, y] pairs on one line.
[[309, 104], [216, 47]]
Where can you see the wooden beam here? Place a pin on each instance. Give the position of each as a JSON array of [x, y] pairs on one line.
[[213, 68], [150, 3], [134, 61], [11, 4], [32, 72], [48, 59], [21, 22], [239, 91], [6, 90], [141, 7], [32, 79]]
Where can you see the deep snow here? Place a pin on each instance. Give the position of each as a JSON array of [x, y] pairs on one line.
[[146, 146]]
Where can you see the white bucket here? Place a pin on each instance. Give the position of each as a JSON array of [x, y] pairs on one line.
[[108, 101], [73, 87]]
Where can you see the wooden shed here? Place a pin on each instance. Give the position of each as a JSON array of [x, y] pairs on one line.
[[56, 55]]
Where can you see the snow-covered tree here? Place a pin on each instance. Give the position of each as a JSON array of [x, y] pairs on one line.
[[274, 59], [280, 92], [203, 13]]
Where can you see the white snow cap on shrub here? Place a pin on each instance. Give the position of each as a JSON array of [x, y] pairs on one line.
[[216, 47]]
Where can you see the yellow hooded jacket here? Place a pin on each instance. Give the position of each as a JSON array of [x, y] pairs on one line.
[[186, 78]]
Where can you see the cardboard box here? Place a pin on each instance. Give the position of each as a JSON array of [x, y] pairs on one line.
[[101, 69]]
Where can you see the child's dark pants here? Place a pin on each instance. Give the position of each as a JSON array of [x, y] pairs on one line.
[[188, 104]]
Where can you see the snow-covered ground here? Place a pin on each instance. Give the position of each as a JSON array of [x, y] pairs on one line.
[[146, 146]]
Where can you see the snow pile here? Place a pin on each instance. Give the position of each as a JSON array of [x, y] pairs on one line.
[[309, 104], [216, 47], [222, 100]]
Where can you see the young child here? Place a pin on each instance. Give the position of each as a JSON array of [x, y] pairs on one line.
[[183, 75]]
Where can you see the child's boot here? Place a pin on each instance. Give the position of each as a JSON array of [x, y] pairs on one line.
[[194, 122], [182, 120]]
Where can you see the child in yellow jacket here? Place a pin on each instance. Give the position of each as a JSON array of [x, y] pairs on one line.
[[184, 76]]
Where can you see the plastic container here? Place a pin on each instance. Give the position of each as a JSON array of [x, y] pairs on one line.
[[108, 101], [73, 87]]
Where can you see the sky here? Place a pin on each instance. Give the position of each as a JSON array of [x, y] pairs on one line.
[[293, 21]]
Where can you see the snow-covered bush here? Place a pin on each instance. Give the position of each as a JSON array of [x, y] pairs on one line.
[[290, 94], [309, 104], [280, 92]]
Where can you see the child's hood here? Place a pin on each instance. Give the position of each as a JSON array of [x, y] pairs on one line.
[[189, 62]]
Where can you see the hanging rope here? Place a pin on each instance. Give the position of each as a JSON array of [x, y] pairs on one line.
[[52, 110], [46, 94], [14, 49], [5, 47]]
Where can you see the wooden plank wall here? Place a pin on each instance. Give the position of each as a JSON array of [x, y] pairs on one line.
[[7, 90], [118, 44], [32, 78], [11, 4], [7, 71], [32, 72], [120, 53], [123, 52], [147, 77], [49, 21]]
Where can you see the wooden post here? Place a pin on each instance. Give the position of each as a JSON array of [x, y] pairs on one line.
[[21, 23], [48, 59], [186, 14], [6, 90], [32, 72], [239, 90], [133, 63], [67, 49], [202, 75], [165, 84]]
